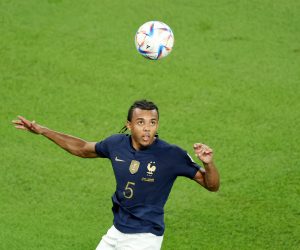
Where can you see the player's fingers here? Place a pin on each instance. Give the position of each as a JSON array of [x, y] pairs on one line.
[[26, 122], [197, 145], [17, 122], [208, 153], [204, 154], [205, 148], [21, 127], [23, 119], [199, 152], [209, 149], [203, 151]]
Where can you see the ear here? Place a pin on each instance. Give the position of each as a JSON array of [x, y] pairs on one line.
[[128, 125]]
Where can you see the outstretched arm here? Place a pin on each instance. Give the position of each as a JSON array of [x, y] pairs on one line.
[[210, 178], [73, 145]]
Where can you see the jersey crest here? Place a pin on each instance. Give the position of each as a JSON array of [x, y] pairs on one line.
[[151, 168], [134, 166]]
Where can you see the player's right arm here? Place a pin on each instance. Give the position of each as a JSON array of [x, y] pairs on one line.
[[71, 144]]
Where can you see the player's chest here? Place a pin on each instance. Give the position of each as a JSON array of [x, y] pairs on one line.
[[139, 166]]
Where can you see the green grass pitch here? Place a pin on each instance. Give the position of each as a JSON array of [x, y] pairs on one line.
[[232, 81]]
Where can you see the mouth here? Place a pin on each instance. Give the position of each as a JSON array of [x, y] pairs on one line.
[[146, 138]]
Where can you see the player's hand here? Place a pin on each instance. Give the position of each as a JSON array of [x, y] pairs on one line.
[[203, 152], [25, 124]]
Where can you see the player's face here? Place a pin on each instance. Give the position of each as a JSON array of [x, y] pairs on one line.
[[143, 127]]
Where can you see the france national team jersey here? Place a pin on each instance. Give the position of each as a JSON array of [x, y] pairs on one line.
[[144, 180]]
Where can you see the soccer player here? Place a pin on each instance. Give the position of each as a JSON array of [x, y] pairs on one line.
[[145, 169]]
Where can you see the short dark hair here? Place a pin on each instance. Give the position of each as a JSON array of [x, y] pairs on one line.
[[140, 104]]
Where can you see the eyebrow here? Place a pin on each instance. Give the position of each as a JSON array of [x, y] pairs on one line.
[[140, 118]]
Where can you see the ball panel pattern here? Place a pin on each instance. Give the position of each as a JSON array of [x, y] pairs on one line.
[[154, 40]]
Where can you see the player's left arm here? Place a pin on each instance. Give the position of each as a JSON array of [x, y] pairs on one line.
[[210, 178]]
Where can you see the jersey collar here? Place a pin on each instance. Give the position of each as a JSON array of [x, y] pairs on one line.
[[144, 150]]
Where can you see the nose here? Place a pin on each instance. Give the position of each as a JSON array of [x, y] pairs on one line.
[[146, 128]]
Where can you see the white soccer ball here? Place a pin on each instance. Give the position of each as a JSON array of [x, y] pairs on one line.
[[154, 40]]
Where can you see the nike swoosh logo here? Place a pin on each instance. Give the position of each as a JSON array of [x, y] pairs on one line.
[[117, 159]]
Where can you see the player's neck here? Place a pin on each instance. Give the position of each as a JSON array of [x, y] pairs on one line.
[[138, 147]]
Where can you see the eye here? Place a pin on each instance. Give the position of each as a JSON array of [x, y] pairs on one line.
[[140, 122], [153, 123]]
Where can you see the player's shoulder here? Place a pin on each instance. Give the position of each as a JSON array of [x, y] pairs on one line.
[[104, 147], [170, 148], [175, 154]]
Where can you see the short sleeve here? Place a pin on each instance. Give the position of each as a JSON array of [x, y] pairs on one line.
[[186, 166], [101, 149], [104, 147]]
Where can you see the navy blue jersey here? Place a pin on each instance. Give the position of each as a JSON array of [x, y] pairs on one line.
[[144, 179]]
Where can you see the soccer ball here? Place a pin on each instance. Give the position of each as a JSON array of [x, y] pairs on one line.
[[154, 40]]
